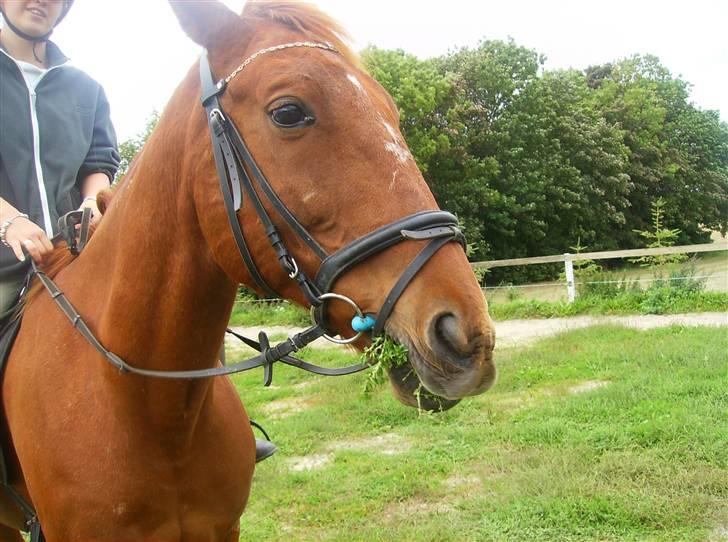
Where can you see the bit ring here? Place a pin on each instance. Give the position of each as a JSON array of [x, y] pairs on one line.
[[346, 300]]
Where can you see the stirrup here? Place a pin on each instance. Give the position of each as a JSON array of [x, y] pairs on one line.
[[263, 448]]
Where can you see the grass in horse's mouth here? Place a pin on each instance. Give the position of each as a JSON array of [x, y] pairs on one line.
[[384, 353]]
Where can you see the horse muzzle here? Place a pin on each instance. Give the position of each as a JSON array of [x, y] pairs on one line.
[[453, 360]]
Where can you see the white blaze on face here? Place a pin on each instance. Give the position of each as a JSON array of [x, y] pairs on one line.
[[397, 146], [356, 83]]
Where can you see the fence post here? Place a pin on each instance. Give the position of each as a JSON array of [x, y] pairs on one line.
[[570, 287]]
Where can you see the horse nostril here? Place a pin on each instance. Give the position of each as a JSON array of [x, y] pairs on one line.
[[450, 342]]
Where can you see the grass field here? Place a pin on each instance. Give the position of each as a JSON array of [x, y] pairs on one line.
[[602, 434]]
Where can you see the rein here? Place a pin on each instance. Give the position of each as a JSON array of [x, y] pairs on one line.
[[234, 161], [268, 355]]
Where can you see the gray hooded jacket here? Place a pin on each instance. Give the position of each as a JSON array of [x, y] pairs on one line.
[[50, 141]]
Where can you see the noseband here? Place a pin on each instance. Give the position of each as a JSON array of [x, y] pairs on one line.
[[238, 175]]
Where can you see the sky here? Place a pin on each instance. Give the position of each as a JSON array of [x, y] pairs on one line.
[[138, 52]]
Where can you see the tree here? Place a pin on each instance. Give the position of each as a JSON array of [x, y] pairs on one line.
[[464, 177], [677, 152], [659, 237], [696, 184], [530, 161], [561, 167]]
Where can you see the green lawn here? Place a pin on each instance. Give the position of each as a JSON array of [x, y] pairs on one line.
[[654, 301], [276, 312], [641, 456]]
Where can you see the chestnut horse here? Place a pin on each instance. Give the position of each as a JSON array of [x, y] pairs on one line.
[[104, 455]]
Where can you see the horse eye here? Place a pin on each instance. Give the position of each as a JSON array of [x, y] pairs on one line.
[[290, 116]]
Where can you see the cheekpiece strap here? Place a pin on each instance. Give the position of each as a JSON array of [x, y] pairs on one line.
[[210, 89]]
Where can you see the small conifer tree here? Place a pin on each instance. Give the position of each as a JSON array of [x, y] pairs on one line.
[[658, 237]]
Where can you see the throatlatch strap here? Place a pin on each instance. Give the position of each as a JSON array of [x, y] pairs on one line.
[[233, 159], [228, 170]]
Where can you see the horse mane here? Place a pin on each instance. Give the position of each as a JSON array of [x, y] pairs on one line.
[[307, 19]]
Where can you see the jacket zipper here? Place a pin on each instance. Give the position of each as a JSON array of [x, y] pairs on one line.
[[32, 96], [36, 155]]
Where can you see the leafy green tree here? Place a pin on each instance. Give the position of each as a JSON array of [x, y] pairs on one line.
[[465, 176], [676, 151], [561, 168], [530, 160], [696, 184], [595, 75]]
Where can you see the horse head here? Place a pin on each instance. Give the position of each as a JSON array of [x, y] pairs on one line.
[[326, 136]]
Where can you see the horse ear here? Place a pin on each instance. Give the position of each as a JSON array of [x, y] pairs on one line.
[[205, 22]]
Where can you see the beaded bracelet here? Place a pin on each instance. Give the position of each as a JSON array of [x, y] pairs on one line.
[[5, 225]]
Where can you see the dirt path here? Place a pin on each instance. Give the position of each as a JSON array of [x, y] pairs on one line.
[[522, 332], [519, 332]]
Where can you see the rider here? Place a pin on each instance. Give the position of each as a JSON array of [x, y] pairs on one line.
[[57, 144]]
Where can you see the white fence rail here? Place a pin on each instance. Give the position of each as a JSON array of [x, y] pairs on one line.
[[568, 259]]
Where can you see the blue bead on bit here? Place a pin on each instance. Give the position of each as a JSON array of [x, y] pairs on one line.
[[360, 325]]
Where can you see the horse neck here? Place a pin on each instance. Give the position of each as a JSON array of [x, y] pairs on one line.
[[166, 303]]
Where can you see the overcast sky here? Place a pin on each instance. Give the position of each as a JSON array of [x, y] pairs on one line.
[[136, 49]]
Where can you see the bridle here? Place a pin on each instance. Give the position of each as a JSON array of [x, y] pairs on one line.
[[238, 175]]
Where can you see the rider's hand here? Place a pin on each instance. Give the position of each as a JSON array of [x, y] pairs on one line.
[[25, 233], [95, 213]]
